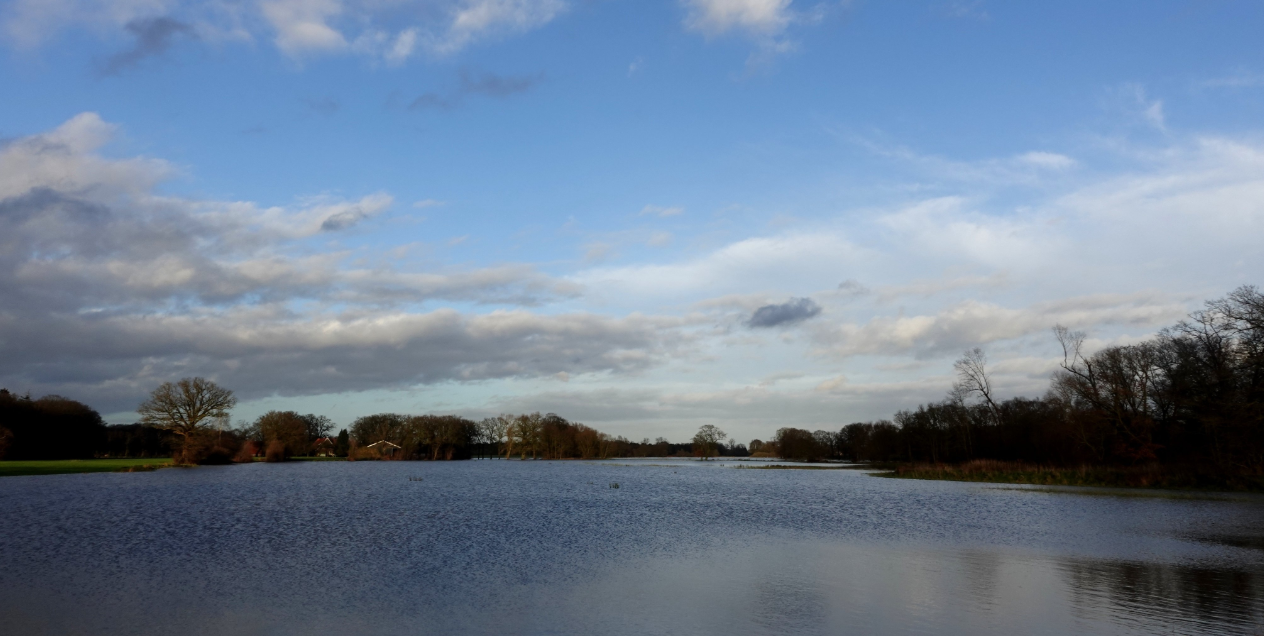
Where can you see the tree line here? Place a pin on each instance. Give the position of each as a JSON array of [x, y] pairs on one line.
[[188, 421], [1191, 398]]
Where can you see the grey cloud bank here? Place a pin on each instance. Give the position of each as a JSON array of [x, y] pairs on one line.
[[107, 289]]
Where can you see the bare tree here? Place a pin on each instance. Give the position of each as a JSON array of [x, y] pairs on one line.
[[972, 377], [706, 440], [182, 407]]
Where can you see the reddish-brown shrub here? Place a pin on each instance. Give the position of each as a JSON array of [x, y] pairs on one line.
[[276, 451]]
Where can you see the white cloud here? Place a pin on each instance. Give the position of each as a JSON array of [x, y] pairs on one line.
[[302, 25], [969, 324], [1035, 167], [1133, 101], [403, 46], [714, 17], [1051, 160], [473, 19], [759, 263]]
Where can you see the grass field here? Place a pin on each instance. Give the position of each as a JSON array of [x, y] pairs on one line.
[[61, 466]]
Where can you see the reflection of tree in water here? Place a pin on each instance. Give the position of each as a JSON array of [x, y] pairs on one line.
[[1189, 599]]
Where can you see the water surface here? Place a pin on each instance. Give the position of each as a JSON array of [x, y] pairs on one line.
[[680, 547]]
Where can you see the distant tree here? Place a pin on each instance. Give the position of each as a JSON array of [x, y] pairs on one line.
[[185, 407], [796, 443], [285, 434], [493, 432], [707, 440], [371, 429], [52, 427], [318, 426], [343, 445]]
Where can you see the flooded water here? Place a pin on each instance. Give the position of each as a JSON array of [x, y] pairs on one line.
[[680, 547]]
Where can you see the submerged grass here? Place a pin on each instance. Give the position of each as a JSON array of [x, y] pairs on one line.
[[64, 466], [983, 470]]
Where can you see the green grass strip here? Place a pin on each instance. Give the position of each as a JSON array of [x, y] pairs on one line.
[[64, 466]]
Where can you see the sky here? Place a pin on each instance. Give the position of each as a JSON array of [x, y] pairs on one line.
[[646, 216]]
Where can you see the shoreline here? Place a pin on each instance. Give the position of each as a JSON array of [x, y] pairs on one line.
[[1136, 478]]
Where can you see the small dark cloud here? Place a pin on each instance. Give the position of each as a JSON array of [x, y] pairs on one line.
[[323, 106], [153, 37], [343, 220], [852, 287], [493, 85], [790, 312], [483, 84]]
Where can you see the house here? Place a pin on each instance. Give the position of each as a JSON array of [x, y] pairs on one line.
[[385, 448], [324, 447]]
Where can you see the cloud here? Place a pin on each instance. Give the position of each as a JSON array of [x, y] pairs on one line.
[[344, 215], [483, 84], [791, 312], [715, 17], [972, 323], [108, 287], [153, 37], [660, 211], [1032, 168], [763, 262], [29, 23], [1132, 100], [390, 31], [302, 25], [1050, 160], [852, 287], [474, 19], [402, 47]]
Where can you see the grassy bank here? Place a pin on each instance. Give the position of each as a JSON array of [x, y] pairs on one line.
[[62, 466], [1110, 476]]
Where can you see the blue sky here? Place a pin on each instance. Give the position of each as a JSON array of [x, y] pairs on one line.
[[595, 207]]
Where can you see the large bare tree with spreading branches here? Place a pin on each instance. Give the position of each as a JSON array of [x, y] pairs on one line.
[[707, 440], [183, 407]]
